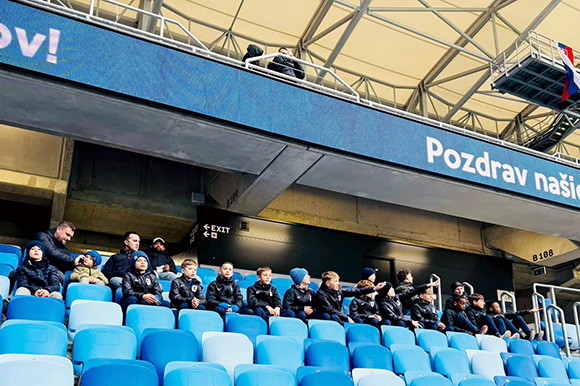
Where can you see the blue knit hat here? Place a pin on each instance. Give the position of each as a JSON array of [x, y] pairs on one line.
[[138, 254], [96, 257], [367, 272], [34, 243], [298, 274]]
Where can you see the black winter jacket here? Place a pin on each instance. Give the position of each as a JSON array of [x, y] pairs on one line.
[[287, 67], [138, 284], [450, 319], [392, 309], [38, 275], [330, 301], [476, 315], [224, 290], [363, 307], [262, 295], [296, 298], [159, 259], [509, 315], [424, 312], [118, 264], [409, 294], [55, 251], [449, 302], [184, 290]]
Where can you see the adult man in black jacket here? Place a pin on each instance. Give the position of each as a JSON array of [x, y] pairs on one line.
[[287, 66], [407, 292], [116, 266], [54, 241], [160, 260]]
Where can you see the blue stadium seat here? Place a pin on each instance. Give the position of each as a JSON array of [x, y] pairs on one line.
[[572, 336], [288, 327], [33, 338], [327, 330], [165, 284], [198, 375], [506, 355], [9, 259], [486, 363], [63, 361], [476, 382], [107, 342], [163, 346], [430, 338], [362, 333], [94, 312], [140, 317], [376, 377], [550, 381], [35, 308], [5, 270], [372, 357], [282, 284], [41, 322], [185, 365], [558, 332], [521, 366], [237, 277], [200, 321], [430, 380], [550, 367], [303, 371], [4, 287], [251, 278], [119, 372], [346, 305], [326, 378], [281, 351], [249, 325], [512, 381], [462, 341], [239, 350], [244, 284], [397, 335], [207, 275], [520, 346], [574, 369], [314, 286], [451, 361], [456, 379], [328, 354], [35, 373], [410, 358], [492, 343], [258, 375], [76, 291], [548, 348], [15, 249]]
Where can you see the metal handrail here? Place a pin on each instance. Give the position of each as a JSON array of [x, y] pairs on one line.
[[563, 322], [537, 320], [467, 285], [576, 321], [502, 297], [433, 278]]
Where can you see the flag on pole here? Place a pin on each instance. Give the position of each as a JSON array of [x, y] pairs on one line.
[[573, 78]]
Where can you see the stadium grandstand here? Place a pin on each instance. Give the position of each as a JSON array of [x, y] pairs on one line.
[[351, 138]]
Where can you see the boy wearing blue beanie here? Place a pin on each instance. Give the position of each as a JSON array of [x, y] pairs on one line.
[[36, 276], [88, 271], [140, 284], [299, 297]]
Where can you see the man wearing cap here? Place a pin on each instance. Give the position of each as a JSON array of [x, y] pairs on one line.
[[161, 263], [116, 266]]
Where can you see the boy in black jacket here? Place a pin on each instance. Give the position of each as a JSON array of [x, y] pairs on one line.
[[186, 290], [407, 292], [36, 276], [511, 321], [299, 298], [477, 316], [424, 312], [140, 284], [263, 297], [456, 319], [391, 308], [329, 297], [364, 307], [224, 295]]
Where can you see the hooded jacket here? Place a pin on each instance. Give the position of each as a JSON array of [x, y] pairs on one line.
[[138, 284], [262, 295], [406, 291], [296, 298], [330, 301], [424, 312], [82, 271], [35, 275], [287, 67], [118, 264], [223, 290], [184, 290], [253, 51], [55, 251], [363, 307], [159, 259]]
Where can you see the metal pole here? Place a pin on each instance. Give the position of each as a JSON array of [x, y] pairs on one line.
[[575, 310], [563, 324], [432, 279], [466, 284]]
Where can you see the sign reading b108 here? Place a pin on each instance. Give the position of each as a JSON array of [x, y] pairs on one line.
[[543, 255], [214, 230]]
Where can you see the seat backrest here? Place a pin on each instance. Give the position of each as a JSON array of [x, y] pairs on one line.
[[77, 291], [282, 284], [328, 354], [198, 375], [492, 343], [35, 308], [397, 335], [451, 361], [200, 321], [362, 333], [476, 382], [410, 358], [15, 249], [376, 377], [521, 366], [163, 346], [120, 372], [249, 325], [4, 287], [327, 330], [431, 380], [33, 338], [140, 317], [520, 346], [33, 357], [9, 259], [94, 312], [462, 341], [281, 351], [35, 373], [573, 336], [372, 356], [487, 363], [207, 275], [288, 327], [255, 375], [548, 348], [430, 338], [326, 378], [456, 379], [550, 381], [227, 349], [550, 367], [574, 369], [251, 278], [187, 364]]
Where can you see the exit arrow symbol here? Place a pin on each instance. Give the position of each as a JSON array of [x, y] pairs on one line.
[[206, 227], [206, 234]]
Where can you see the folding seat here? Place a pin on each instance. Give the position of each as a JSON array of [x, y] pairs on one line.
[[237, 277], [521, 366], [35, 308], [550, 381], [572, 336], [119, 372], [346, 305], [281, 351], [251, 278], [4, 287], [456, 379], [430, 380], [200, 321], [63, 361], [327, 330], [288, 327], [362, 333], [76, 291], [303, 371], [282, 284], [326, 378], [477, 382], [5, 270], [207, 275], [94, 313], [199, 375], [371, 356], [140, 317], [40, 322], [558, 332], [166, 285], [430, 338], [9, 259], [548, 348], [397, 335], [549, 367], [14, 249], [249, 325], [104, 260], [574, 369], [410, 358], [512, 381], [35, 373], [256, 375], [328, 354], [376, 377], [163, 346], [314, 286], [462, 341], [227, 349], [492, 343], [33, 338], [107, 342], [451, 361], [486, 363], [520, 346], [187, 364]]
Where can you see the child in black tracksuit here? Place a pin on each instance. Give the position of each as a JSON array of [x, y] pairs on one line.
[[300, 298], [140, 284], [456, 319], [391, 308], [329, 298], [424, 312], [186, 290], [224, 295], [512, 321], [364, 307], [263, 297], [478, 317]]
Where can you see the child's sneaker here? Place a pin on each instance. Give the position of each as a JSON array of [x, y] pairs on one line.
[[540, 335], [506, 334], [483, 330], [532, 335], [516, 336]]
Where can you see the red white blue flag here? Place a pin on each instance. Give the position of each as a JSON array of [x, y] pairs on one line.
[[573, 79]]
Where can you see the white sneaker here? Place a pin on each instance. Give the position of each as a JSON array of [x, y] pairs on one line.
[[540, 335], [532, 335], [516, 336], [506, 334]]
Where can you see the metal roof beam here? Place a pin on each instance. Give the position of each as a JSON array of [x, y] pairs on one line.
[[328, 30], [428, 9], [314, 23]]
